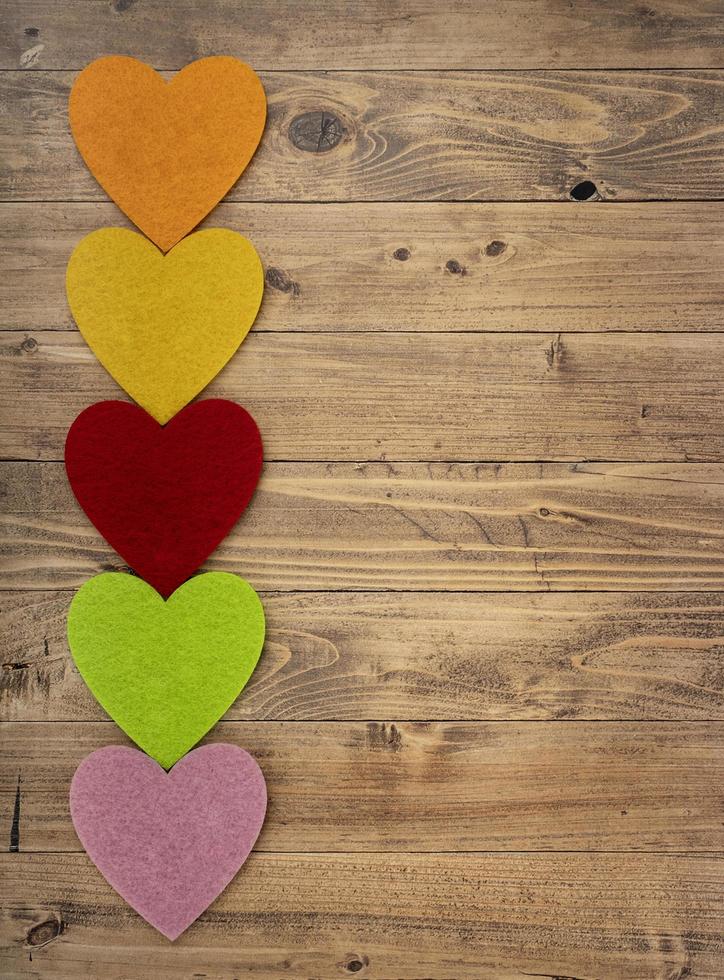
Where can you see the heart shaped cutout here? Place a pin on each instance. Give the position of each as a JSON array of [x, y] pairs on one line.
[[164, 326], [164, 496], [169, 843], [166, 671], [167, 152]]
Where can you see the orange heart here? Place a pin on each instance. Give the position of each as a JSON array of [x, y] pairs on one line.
[[167, 152]]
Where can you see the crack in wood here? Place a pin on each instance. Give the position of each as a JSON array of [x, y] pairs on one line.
[[15, 825]]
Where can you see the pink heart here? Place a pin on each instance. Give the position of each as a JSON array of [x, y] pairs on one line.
[[169, 843]]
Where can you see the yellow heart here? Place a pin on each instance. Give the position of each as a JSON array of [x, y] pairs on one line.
[[164, 325]]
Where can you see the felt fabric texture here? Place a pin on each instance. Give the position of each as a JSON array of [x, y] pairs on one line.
[[169, 843], [167, 152], [166, 671], [164, 497], [164, 326]]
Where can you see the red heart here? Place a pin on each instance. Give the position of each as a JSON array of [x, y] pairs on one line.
[[164, 496]]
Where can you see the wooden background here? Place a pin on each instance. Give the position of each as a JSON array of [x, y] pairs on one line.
[[489, 536]]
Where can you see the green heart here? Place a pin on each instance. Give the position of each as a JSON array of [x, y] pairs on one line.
[[166, 671]]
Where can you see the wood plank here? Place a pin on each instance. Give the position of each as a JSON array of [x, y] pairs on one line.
[[411, 916], [361, 136], [424, 657], [415, 527], [404, 397], [335, 34], [387, 267], [424, 786]]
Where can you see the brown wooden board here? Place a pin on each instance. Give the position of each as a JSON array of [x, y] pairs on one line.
[[411, 527], [378, 34], [423, 136], [433, 267], [461, 397], [345, 655], [424, 786], [404, 916]]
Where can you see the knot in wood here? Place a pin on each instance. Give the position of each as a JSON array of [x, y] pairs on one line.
[[494, 248], [380, 737], [355, 963], [278, 279], [401, 254], [316, 132], [44, 933], [29, 345]]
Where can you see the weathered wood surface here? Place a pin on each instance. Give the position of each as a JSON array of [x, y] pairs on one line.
[[414, 527], [423, 267], [425, 786], [379, 34], [380, 136], [344, 655], [408, 700], [476, 397], [406, 916]]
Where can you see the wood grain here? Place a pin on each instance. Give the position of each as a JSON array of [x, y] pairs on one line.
[[425, 786], [335, 34], [403, 397], [441, 742], [406, 916], [421, 136], [428, 267], [415, 527], [344, 655]]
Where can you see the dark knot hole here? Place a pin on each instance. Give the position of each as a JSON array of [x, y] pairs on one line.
[[584, 191]]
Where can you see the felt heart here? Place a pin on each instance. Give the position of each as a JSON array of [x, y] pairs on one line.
[[164, 326], [164, 497], [166, 671], [169, 843], [167, 152]]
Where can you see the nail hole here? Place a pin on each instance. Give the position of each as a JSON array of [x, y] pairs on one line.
[[584, 191], [454, 266]]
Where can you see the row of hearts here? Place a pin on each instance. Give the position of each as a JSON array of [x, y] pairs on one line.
[[164, 498]]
